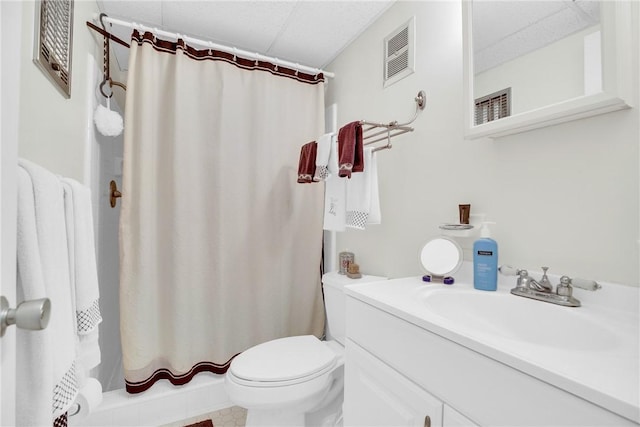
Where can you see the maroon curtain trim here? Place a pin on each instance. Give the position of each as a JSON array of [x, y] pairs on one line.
[[217, 55], [134, 387]]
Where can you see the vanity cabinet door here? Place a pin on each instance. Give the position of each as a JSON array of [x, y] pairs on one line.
[[453, 418], [378, 395]]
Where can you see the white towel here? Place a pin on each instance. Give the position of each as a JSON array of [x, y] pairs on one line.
[[363, 202], [324, 144], [52, 243], [35, 372], [83, 274], [335, 192]]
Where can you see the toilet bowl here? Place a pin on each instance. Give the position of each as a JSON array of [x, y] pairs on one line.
[[296, 381]]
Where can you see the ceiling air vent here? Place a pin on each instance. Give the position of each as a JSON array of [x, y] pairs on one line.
[[399, 53], [53, 41]]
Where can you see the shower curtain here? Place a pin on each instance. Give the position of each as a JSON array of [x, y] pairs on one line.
[[220, 248]]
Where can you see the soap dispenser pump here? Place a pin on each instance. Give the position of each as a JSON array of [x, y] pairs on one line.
[[485, 260]]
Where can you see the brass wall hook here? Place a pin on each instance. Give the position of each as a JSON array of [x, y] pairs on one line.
[[113, 193]]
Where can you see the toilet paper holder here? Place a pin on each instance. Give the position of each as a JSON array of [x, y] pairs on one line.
[[74, 409]]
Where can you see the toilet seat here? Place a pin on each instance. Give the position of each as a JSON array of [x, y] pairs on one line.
[[283, 362]]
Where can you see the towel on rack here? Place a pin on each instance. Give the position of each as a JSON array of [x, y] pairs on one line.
[[52, 246], [307, 163], [324, 145], [83, 274], [350, 149], [335, 193], [35, 372], [363, 203]]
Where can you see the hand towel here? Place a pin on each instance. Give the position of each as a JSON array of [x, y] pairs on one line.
[[52, 243], [322, 156], [362, 195], [83, 274], [33, 390], [335, 193], [350, 149], [307, 163], [375, 214]]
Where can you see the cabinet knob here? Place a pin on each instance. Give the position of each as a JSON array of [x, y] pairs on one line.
[[427, 421]]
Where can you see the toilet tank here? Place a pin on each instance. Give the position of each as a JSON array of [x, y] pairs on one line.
[[333, 285]]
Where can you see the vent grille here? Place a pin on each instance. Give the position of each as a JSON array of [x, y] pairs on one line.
[[398, 64], [399, 53], [398, 42], [54, 38], [493, 107]]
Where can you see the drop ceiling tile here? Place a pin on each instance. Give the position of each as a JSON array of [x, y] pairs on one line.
[[318, 30], [149, 12], [249, 25]]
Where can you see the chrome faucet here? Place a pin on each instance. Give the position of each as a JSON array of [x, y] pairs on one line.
[[542, 290]]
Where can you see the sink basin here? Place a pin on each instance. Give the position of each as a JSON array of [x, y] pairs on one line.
[[520, 319]]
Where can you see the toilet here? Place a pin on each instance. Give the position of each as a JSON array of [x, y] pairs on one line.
[[296, 381]]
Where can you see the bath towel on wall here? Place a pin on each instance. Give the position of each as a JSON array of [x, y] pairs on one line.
[[52, 250], [233, 260], [33, 391], [83, 275], [350, 149], [335, 197], [363, 201], [324, 146], [307, 162]]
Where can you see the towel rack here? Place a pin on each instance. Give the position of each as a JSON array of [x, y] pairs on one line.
[[372, 131]]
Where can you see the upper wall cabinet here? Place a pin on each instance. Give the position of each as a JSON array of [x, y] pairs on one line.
[[531, 64]]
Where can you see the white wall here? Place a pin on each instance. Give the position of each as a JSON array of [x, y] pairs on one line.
[[564, 196], [53, 130]]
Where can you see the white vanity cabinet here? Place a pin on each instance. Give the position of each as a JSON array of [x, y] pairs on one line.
[[377, 395], [397, 373]]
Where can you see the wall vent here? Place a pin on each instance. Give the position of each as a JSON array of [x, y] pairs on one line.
[[493, 106], [399, 53], [53, 42]]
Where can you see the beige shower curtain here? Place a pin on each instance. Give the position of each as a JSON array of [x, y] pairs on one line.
[[220, 247]]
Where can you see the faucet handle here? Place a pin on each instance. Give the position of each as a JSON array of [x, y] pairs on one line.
[[564, 287], [507, 270], [567, 284], [589, 285]]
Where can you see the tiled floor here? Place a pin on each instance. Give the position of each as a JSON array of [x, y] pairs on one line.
[[234, 416]]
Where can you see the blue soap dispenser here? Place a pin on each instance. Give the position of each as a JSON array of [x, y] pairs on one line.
[[485, 260]]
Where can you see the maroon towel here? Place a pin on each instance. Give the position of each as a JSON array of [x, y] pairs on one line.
[[350, 154], [307, 164]]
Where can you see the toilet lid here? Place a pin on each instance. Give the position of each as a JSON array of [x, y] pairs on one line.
[[283, 359]]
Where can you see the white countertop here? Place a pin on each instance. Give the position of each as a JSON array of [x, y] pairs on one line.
[[607, 375]]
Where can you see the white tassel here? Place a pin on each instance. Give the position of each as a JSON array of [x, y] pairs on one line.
[[108, 123]]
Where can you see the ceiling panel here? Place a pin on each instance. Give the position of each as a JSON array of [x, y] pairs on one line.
[[250, 25], [326, 26]]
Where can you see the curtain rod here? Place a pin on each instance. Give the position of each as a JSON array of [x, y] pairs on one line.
[[211, 45]]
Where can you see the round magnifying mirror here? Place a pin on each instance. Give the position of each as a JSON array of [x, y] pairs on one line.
[[441, 256]]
